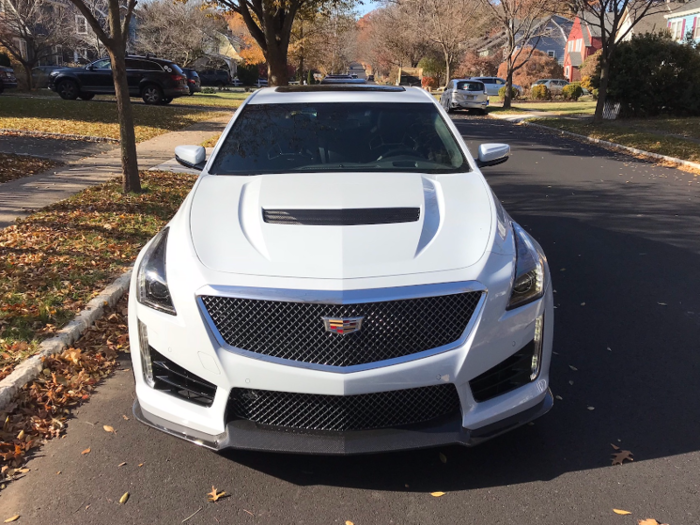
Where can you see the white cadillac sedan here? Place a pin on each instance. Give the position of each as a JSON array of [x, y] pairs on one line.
[[340, 280]]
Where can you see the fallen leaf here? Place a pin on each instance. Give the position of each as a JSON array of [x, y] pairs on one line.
[[247, 511], [13, 518], [648, 521], [86, 451], [590, 408], [108, 428], [559, 398], [443, 457], [662, 304], [140, 464], [573, 368], [348, 522], [58, 472], [619, 457], [583, 304], [437, 494], [124, 498], [122, 464], [615, 447], [571, 382], [214, 495], [621, 512]]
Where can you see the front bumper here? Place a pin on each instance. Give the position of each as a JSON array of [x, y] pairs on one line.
[[249, 436]]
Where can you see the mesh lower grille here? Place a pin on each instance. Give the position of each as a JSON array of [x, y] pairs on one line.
[[341, 413], [296, 331], [508, 375]]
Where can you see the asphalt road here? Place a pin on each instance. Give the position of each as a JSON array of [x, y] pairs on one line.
[[622, 239]]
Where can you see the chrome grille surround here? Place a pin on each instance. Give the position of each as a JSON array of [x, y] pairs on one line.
[[470, 296]]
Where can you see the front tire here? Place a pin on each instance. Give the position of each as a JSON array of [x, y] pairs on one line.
[[68, 89], [87, 96], [152, 94]]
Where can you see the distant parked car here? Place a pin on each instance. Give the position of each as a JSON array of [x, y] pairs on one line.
[[8, 80], [465, 94], [40, 75], [215, 77], [155, 80], [193, 81], [262, 82], [494, 84], [554, 85]]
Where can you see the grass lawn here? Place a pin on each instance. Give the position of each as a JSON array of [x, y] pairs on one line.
[[559, 108], [91, 118], [54, 261], [220, 99], [18, 166], [646, 135]]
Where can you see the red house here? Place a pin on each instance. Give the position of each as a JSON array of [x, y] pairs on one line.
[[584, 40]]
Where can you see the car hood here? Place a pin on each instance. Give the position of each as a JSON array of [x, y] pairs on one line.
[[230, 235]]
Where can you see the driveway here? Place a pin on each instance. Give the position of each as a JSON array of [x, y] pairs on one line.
[[622, 240]]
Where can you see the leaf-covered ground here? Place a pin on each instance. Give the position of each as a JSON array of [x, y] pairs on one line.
[[17, 166], [54, 261], [98, 119], [67, 380]]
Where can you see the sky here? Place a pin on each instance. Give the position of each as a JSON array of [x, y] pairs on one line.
[[367, 6]]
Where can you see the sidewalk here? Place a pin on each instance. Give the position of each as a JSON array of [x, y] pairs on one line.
[[20, 197]]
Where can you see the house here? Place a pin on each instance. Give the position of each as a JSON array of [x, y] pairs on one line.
[[683, 21], [584, 40], [655, 22], [550, 37]]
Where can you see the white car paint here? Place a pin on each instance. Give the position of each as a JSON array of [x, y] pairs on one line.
[[219, 244]]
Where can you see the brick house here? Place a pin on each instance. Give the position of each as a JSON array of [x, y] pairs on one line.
[[584, 40]]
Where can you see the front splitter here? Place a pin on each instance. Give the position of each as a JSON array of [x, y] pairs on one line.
[[247, 435]]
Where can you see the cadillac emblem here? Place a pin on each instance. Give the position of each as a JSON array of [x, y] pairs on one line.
[[343, 325]]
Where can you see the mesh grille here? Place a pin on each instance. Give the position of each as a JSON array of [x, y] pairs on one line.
[[341, 413], [296, 331]]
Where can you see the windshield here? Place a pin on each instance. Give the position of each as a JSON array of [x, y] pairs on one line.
[[470, 86], [281, 138]]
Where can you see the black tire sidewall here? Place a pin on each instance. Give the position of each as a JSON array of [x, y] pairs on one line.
[[158, 90], [65, 83]]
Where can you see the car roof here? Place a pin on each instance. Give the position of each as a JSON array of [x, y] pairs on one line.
[[339, 93]]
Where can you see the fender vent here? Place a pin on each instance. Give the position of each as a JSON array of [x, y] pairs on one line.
[[343, 217]]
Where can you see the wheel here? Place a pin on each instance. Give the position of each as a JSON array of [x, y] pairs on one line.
[[152, 94], [87, 96], [68, 89], [167, 100], [448, 106]]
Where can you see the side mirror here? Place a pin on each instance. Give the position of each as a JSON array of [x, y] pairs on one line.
[[191, 156], [492, 154], [89, 67]]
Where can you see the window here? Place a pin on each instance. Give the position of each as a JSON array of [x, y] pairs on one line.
[[469, 86], [696, 29], [677, 29], [58, 55], [567, 71], [102, 64], [570, 46], [81, 25], [339, 137], [500, 82], [551, 53], [579, 45], [21, 46]]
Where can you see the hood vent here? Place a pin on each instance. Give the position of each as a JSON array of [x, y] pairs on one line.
[[342, 217]]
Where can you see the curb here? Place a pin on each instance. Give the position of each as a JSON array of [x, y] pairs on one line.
[[609, 145], [51, 135], [70, 333]]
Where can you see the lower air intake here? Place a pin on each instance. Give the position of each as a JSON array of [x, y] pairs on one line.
[[179, 382], [343, 413], [508, 375]]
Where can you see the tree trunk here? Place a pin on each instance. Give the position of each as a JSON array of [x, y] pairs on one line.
[[602, 89], [507, 101], [127, 136], [277, 73], [447, 69], [28, 73]]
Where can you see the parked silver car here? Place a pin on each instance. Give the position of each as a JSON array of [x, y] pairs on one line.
[[494, 84], [465, 94], [554, 85]]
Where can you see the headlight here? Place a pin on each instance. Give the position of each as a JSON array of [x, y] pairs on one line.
[[528, 284], [152, 282]]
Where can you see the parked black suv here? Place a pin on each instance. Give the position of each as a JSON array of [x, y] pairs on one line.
[[193, 81], [215, 77], [155, 80]]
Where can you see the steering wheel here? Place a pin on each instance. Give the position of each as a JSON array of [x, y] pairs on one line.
[[398, 151]]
